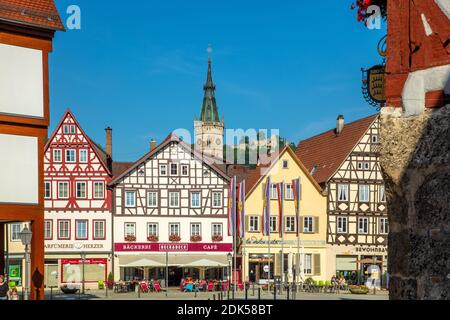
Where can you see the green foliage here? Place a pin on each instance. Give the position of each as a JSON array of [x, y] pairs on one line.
[[110, 277], [101, 285], [12, 284]]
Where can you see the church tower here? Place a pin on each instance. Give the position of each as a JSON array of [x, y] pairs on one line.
[[209, 129]]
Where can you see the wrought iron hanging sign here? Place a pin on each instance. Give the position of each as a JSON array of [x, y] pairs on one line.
[[374, 80]]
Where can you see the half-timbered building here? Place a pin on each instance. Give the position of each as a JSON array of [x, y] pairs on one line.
[[78, 221], [345, 161], [170, 203], [27, 29]]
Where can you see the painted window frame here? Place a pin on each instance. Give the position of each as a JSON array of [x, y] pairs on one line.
[[48, 232], [191, 200], [94, 229], [291, 220], [86, 222], [178, 229], [220, 198], [77, 183], [176, 166], [156, 234], [340, 187], [273, 191], [83, 151], [15, 234], [69, 231], [340, 229], [199, 229], [70, 151], [59, 190], [308, 221], [361, 230], [49, 189], [126, 204], [360, 193], [382, 194], [161, 166], [59, 151], [178, 205], [252, 221], [285, 164], [273, 223], [308, 263], [94, 183], [156, 193], [289, 195], [125, 231], [384, 224], [213, 229], [184, 166]]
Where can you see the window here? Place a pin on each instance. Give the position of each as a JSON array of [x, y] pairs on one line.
[[382, 194], [285, 164], [195, 199], [163, 170], [99, 230], [363, 193], [71, 156], [273, 192], [273, 224], [363, 225], [57, 155], [308, 224], [130, 229], [217, 229], [342, 223], [63, 190], [152, 199], [289, 192], [99, 190], [290, 224], [83, 156], [174, 229], [174, 199], [81, 230], [375, 139], [196, 229], [342, 192], [64, 229], [15, 231], [69, 129], [173, 169], [130, 199], [81, 190], [184, 170], [363, 165], [253, 224], [48, 229], [152, 229], [384, 226], [308, 264], [47, 189], [217, 199]]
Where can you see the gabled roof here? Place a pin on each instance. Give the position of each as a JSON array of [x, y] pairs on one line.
[[120, 167], [172, 138], [257, 175], [36, 13], [327, 151], [96, 147]]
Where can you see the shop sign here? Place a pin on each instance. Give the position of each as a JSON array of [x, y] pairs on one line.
[[74, 246], [15, 272], [173, 247], [86, 261], [371, 249], [255, 241]]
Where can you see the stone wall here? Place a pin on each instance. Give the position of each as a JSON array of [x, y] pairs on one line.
[[415, 158]]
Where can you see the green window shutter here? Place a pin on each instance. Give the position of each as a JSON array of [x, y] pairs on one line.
[[316, 224], [316, 264]]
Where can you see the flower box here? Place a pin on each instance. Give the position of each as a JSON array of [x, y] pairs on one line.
[[196, 238], [130, 238], [174, 238], [217, 238], [153, 238]]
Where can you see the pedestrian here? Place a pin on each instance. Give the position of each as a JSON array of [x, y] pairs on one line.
[[13, 294], [4, 288]]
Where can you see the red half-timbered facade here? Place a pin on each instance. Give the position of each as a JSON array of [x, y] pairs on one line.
[[77, 202]]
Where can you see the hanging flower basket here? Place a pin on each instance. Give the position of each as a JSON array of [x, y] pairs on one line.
[[130, 238], [196, 238], [363, 12], [153, 238], [174, 238], [217, 238]]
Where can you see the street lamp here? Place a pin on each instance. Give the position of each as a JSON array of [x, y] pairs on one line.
[[25, 236], [230, 258], [83, 257]]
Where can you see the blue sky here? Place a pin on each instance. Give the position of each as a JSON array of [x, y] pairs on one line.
[[139, 66]]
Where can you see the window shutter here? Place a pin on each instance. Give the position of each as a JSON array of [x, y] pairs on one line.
[[301, 224], [316, 264], [247, 223], [316, 224], [263, 190]]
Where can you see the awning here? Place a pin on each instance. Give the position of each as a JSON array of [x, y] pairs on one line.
[[175, 260]]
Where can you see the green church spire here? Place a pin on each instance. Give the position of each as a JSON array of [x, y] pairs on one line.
[[209, 112]]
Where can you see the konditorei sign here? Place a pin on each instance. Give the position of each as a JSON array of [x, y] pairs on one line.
[[173, 247]]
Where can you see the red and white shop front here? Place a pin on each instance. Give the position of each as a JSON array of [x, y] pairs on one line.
[[144, 261]]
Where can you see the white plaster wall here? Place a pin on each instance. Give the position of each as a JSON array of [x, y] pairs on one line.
[[21, 81], [18, 169]]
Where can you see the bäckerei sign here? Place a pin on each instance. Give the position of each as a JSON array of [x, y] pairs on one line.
[[173, 247]]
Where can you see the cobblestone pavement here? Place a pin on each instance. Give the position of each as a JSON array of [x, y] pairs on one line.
[[174, 294]]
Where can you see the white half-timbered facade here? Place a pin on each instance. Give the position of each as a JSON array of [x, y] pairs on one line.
[[78, 219], [171, 200], [346, 162]]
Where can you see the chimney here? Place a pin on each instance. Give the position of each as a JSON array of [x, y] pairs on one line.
[[340, 122], [108, 149], [152, 144]]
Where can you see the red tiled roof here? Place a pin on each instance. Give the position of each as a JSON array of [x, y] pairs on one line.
[[37, 13], [328, 151], [120, 167]]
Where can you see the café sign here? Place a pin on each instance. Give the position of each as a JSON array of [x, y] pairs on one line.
[[173, 247]]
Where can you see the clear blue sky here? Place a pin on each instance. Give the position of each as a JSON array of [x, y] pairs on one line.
[[139, 66]]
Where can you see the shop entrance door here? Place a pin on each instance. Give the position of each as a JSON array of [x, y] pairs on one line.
[[175, 276]]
